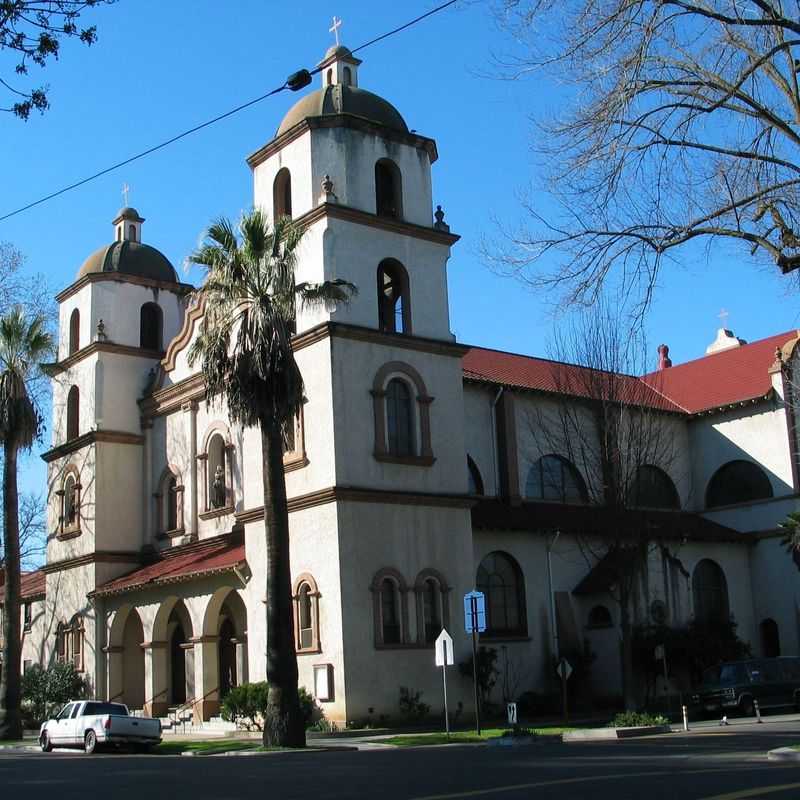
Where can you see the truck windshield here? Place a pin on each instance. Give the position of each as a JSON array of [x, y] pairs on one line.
[[723, 675], [99, 709]]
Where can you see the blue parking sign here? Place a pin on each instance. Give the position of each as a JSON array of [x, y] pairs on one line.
[[474, 612]]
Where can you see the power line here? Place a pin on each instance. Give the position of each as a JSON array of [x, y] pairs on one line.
[[296, 81]]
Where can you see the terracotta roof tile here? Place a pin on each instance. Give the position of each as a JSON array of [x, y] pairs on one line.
[[33, 585], [220, 554]]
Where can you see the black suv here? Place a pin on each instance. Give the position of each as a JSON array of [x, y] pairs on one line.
[[733, 686]]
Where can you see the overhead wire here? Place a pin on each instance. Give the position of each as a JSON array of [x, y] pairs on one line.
[[299, 79]]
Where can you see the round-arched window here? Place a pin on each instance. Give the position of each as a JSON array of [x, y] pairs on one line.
[[150, 327], [475, 482], [388, 189], [599, 617], [737, 482], [390, 612], [710, 593], [500, 579], [653, 488], [556, 479], [399, 418]]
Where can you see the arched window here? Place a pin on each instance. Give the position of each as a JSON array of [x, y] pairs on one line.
[[389, 593], [172, 503], [475, 482], [710, 593], [69, 642], [150, 327], [217, 475], [306, 615], [347, 76], [556, 479], [73, 413], [599, 617], [399, 418], [329, 77], [70, 503], [394, 307], [770, 639], [74, 332], [388, 189], [431, 592], [737, 482], [653, 488], [132, 233], [501, 581], [282, 194], [169, 504]]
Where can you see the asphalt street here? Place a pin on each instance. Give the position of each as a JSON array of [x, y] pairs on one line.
[[710, 763]]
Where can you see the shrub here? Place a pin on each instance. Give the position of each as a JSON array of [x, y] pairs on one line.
[[486, 669], [411, 705], [246, 705], [637, 719], [44, 691]]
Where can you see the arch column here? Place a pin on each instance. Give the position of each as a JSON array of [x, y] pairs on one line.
[[241, 661], [206, 677], [115, 683], [156, 685]]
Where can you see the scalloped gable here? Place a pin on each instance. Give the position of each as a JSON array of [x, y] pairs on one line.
[[175, 359]]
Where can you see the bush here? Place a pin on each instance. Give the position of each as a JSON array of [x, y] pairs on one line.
[[44, 691], [486, 670], [411, 706], [637, 719], [246, 705]]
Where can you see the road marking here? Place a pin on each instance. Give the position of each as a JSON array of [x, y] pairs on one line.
[[564, 781], [758, 792]]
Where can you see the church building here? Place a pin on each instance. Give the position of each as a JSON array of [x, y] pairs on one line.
[[418, 470]]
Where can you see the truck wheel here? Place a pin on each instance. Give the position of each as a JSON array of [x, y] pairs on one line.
[[44, 743], [746, 707], [90, 742]]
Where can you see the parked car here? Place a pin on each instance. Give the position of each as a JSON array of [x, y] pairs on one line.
[[736, 685], [92, 723]]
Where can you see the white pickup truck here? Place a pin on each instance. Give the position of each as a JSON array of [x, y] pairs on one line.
[[92, 723]]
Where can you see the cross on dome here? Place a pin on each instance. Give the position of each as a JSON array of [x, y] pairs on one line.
[[125, 190], [334, 29]]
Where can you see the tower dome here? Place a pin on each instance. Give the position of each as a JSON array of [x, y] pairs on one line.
[[128, 255]]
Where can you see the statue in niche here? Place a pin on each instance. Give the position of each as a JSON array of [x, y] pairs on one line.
[[218, 488]]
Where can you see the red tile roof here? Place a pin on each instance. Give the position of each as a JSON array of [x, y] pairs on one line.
[[209, 557], [724, 378], [714, 381], [32, 585], [543, 375]]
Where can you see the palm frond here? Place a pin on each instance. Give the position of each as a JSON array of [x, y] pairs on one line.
[[337, 291]]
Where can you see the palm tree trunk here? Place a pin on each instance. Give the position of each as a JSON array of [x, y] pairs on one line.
[[284, 725], [10, 694]]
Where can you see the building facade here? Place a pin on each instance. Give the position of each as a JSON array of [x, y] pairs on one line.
[[418, 468]]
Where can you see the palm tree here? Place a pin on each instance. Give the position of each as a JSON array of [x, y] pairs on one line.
[[244, 345], [23, 342]]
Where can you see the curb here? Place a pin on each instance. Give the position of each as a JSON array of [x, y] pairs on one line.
[[783, 754], [19, 748], [608, 734]]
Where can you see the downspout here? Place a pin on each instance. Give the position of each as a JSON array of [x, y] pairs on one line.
[[553, 624], [493, 423]]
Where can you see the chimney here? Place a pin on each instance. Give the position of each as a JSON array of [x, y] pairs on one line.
[[664, 361]]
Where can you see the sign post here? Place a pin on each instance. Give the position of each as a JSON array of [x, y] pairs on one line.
[[475, 623], [444, 658], [564, 669]]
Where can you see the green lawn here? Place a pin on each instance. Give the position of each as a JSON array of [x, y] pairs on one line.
[[462, 737]]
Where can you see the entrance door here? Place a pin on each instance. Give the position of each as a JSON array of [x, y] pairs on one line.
[[178, 661], [227, 658]]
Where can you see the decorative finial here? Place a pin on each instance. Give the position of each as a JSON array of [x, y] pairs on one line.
[[334, 29], [101, 331], [440, 224], [327, 195]]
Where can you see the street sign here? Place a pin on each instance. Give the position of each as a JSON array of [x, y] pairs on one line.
[[444, 649], [511, 710], [474, 612], [564, 669]]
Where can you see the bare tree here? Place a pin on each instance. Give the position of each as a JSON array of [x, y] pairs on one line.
[[619, 431], [32, 30], [32, 532], [681, 125]]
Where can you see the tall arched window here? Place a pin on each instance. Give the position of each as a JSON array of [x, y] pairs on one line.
[[431, 592], [306, 615], [388, 189], [394, 307], [390, 612], [171, 501], [737, 482], [389, 608], [770, 639], [710, 593], [329, 77], [70, 504], [556, 479], [132, 233], [501, 581], [653, 488], [399, 418], [347, 76], [74, 332], [217, 473], [282, 194], [150, 327], [73, 413], [475, 482], [69, 642]]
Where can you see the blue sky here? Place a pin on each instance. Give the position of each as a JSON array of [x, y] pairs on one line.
[[159, 68]]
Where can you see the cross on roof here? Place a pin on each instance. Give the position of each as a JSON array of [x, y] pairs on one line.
[[334, 29], [125, 190], [723, 315]]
